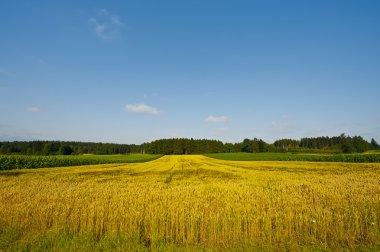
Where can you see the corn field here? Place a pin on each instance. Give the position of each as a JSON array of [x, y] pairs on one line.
[[10, 162]]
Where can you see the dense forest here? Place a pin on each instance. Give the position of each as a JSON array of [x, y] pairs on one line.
[[183, 146], [66, 148], [337, 144]]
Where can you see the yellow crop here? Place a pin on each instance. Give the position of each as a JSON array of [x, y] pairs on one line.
[[192, 202]]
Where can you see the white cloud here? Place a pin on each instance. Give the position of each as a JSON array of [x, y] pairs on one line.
[[106, 25], [216, 119], [33, 109], [141, 108]]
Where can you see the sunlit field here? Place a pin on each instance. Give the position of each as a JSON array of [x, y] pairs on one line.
[[192, 202]]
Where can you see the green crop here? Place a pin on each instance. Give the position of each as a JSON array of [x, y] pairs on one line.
[[10, 162], [350, 158]]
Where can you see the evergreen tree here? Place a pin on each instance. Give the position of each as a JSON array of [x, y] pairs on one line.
[[374, 144]]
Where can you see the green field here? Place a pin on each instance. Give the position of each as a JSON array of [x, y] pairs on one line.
[[370, 157], [10, 162]]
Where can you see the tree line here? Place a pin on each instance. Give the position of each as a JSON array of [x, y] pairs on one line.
[[336, 144], [183, 146], [66, 148]]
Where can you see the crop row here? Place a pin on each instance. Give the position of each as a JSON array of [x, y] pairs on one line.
[[11, 162], [349, 158]]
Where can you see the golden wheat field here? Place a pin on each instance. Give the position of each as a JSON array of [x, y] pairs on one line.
[[191, 203]]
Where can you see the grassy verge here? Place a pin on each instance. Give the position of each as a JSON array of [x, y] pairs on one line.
[[13, 240], [351, 158], [10, 162]]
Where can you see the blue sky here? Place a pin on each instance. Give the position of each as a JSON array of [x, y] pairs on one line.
[[136, 71]]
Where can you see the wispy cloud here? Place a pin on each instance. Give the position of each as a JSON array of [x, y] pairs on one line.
[[33, 109], [141, 108], [106, 25], [215, 119]]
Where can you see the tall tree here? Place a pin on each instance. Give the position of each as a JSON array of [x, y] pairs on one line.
[[374, 144]]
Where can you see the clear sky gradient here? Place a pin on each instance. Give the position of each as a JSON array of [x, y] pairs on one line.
[[136, 71]]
